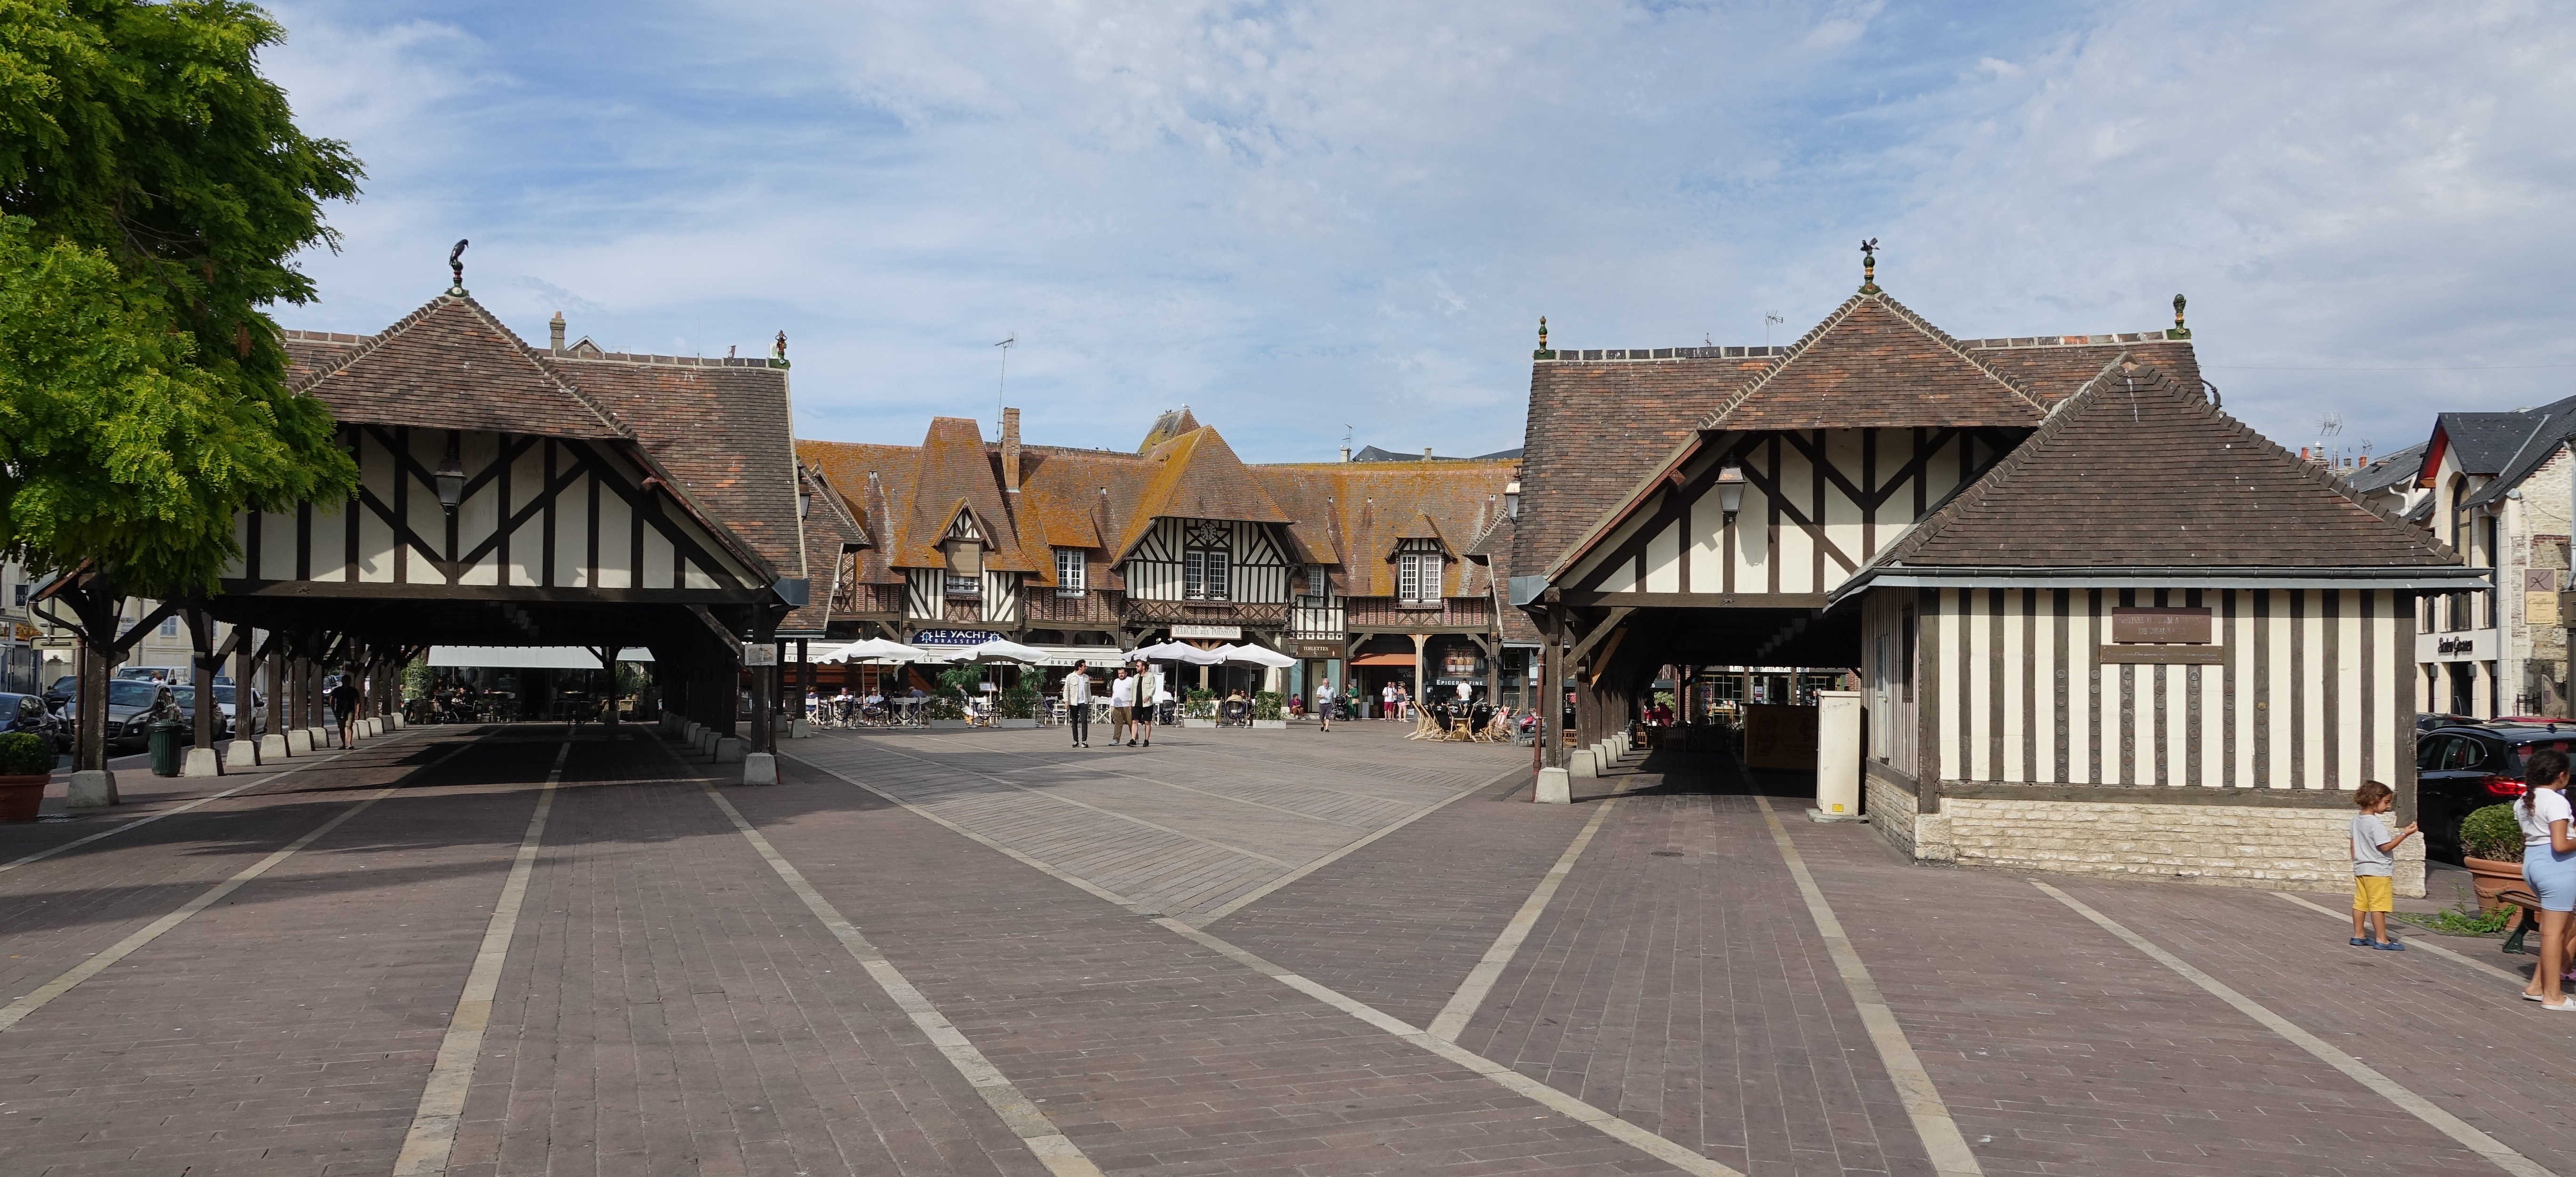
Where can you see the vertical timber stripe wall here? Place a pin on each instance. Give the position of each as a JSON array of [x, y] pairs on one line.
[[2312, 693]]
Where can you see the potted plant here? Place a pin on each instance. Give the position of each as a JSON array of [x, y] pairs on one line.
[[1198, 708], [2491, 847], [26, 766], [1018, 706], [1266, 710]]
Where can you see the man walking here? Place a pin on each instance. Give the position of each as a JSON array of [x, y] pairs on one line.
[[1122, 705], [344, 707], [1077, 703], [1149, 701]]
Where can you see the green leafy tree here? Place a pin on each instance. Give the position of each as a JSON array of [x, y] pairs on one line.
[[154, 191]]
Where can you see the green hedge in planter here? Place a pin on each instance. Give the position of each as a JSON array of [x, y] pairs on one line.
[[1198, 704], [25, 754], [1019, 702], [1266, 705], [2492, 833]]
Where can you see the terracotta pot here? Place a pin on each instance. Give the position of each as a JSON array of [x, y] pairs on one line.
[[2492, 878], [20, 796]]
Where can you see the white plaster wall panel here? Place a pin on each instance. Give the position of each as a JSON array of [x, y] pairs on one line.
[[572, 536], [1664, 560], [481, 512], [1949, 679], [2283, 691], [1706, 567], [421, 510], [1752, 543], [2347, 673], [2013, 767], [528, 545]]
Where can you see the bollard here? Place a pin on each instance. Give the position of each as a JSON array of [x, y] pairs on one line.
[[1582, 762], [243, 752], [93, 787], [200, 762], [760, 768], [730, 750], [272, 748], [1553, 787], [299, 741]]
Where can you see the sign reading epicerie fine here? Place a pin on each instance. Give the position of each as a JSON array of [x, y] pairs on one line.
[[2159, 625]]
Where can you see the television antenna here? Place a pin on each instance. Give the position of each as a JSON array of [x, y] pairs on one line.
[[1770, 319], [999, 395]]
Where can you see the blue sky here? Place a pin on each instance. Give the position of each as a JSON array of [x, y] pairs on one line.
[[1294, 217]]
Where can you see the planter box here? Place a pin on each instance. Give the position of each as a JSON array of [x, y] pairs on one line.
[[2492, 878], [1198, 723], [1015, 723], [21, 795], [1273, 723], [948, 725]]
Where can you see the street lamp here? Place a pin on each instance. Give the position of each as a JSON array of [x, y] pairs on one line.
[[1730, 491], [450, 476]]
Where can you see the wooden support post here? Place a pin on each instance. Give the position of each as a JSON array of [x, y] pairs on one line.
[[245, 712], [1550, 697]]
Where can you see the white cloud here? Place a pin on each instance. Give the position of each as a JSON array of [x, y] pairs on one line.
[[1292, 216]]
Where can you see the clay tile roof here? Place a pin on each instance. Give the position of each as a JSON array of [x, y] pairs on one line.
[[872, 480], [1353, 514], [958, 472], [1874, 364], [721, 431], [2053, 370], [418, 373], [1598, 428], [1171, 424], [2139, 470], [1197, 476]]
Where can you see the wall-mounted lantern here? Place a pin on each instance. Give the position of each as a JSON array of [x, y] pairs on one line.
[[1730, 491], [451, 475]]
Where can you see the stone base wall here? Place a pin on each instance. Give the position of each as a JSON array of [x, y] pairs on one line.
[[2268, 847], [1892, 813]]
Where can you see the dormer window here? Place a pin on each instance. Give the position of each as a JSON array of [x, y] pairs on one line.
[[965, 576], [1418, 575], [1072, 572]]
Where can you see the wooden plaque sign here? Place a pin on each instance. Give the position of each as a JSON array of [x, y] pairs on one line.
[[2160, 625], [1314, 649]]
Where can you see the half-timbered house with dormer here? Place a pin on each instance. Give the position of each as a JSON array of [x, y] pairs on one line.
[[1367, 569], [2099, 626]]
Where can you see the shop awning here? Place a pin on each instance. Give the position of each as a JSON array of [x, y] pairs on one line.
[[529, 657], [1383, 660]]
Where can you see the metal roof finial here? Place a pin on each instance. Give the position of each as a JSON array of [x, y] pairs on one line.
[[1542, 353], [456, 268], [1869, 266], [2179, 331], [778, 351]]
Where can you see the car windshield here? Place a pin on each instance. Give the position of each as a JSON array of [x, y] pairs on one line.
[[128, 693], [66, 683]]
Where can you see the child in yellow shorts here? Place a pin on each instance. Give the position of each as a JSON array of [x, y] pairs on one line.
[[2374, 865]]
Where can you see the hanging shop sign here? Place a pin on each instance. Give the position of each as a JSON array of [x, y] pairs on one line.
[[2160, 625], [1325, 650], [1222, 633], [759, 654], [955, 637]]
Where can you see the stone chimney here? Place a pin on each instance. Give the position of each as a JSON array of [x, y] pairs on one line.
[[1011, 450], [1426, 453], [1346, 453], [555, 332]]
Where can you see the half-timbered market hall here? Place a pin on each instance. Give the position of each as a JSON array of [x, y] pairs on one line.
[[2097, 625]]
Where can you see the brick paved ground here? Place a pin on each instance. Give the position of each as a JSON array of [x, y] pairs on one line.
[[669, 1005]]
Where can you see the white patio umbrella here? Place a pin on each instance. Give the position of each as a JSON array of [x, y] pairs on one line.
[[881, 650], [1176, 652], [1001, 650], [1256, 656]]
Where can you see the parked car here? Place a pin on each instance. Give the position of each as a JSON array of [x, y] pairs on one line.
[[2462, 769], [2428, 720], [28, 713], [2547, 721], [59, 695], [167, 674], [132, 704], [185, 699]]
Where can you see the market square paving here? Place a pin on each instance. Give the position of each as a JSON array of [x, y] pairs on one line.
[[1236, 952]]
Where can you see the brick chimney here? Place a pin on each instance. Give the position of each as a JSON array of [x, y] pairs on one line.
[[555, 332], [1011, 450]]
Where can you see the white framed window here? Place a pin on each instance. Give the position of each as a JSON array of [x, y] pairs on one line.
[[1319, 587], [1417, 577], [1203, 574], [964, 586], [1072, 572], [170, 627]]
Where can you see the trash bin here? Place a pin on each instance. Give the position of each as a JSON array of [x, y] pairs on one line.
[[166, 737]]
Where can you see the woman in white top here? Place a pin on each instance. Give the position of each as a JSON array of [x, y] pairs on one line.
[[2549, 865]]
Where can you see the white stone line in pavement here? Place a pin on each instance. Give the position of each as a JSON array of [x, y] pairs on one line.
[[2363, 1073], [1239, 902], [1608, 1123], [1452, 1019], [432, 1136], [1940, 1134], [148, 819], [1110, 813], [1044, 1140], [16, 1011], [2414, 945]]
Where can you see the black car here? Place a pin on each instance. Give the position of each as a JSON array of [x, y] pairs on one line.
[[2426, 721], [2459, 770], [131, 706], [28, 713], [59, 695]]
